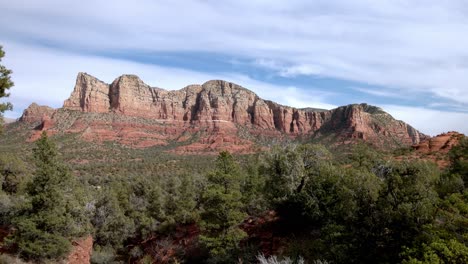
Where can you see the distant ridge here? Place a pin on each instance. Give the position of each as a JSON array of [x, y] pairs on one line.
[[209, 117]]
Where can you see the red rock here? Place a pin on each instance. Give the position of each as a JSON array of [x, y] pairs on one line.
[[81, 251], [441, 143], [90, 95], [436, 148], [35, 113], [219, 110]]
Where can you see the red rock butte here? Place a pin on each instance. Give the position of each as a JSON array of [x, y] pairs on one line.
[[216, 115]]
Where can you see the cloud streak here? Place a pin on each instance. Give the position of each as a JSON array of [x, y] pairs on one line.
[[46, 76], [406, 48], [424, 119]]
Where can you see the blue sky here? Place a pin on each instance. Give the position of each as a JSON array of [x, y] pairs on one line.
[[408, 57]]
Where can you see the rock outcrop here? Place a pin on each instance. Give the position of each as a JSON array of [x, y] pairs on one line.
[[442, 143], [36, 113], [218, 109], [89, 95], [434, 149]]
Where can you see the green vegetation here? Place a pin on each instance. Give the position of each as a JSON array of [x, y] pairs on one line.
[[53, 210], [222, 209], [357, 206], [5, 85]]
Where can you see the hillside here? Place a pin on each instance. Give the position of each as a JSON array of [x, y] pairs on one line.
[[207, 118], [135, 199]]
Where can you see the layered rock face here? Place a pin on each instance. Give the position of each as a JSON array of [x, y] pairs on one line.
[[435, 149], [219, 108], [89, 95], [439, 144]]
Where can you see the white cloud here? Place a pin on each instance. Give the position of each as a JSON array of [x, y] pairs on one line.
[[47, 77], [380, 92], [428, 121], [408, 46]]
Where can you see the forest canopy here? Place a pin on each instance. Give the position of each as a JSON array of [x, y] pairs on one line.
[[315, 205]]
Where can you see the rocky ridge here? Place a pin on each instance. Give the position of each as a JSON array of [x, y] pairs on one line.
[[209, 117], [437, 148]]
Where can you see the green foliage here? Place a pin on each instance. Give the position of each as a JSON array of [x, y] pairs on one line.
[[459, 159], [445, 240], [363, 212], [111, 224], [252, 188], [298, 179], [13, 179], [134, 207], [450, 183], [181, 199], [104, 255], [283, 173], [364, 156], [409, 196], [54, 213], [222, 209], [353, 208], [288, 170], [13, 174], [5, 85]]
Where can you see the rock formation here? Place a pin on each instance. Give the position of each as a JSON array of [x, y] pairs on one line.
[[434, 149], [90, 95], [439, 144], [217, 108], [36, 113]]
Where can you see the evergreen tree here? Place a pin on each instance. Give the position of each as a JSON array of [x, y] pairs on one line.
[[363, 156], [55, 212], [459, 159], [222, 209], [13, 173], [5, 84], [110, 221]]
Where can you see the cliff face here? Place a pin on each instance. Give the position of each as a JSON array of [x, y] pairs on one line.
[[439, 144], [435, 149], [36, 113], [220, 107], [89, 95]]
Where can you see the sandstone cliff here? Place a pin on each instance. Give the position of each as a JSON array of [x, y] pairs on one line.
[[439, 144], [435, 149], [221, 110], [36, 112]]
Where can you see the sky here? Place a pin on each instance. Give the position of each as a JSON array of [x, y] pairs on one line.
[[408, 57]]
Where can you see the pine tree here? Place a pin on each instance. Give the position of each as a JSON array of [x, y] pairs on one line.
[[5, 84], [222, 212], [55, 212]]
